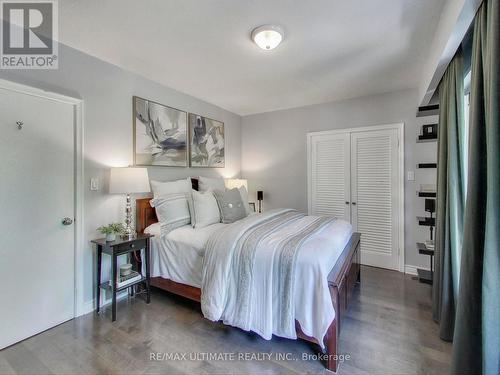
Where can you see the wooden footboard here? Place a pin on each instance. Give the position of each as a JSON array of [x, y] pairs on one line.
[[341, 282]]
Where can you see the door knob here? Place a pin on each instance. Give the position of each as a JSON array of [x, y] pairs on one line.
[[67, 221]]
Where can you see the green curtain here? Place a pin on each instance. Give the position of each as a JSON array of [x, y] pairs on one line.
[[450, 196], [476, 346]]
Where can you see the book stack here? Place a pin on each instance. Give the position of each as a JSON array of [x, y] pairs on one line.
[[130, 278]]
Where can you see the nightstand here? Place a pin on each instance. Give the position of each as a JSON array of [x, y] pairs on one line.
[[115, 249]]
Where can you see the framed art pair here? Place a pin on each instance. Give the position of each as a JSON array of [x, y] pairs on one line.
[[169, 137]]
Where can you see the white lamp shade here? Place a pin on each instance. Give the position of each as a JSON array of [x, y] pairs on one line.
[[129, 180], [232, 183]]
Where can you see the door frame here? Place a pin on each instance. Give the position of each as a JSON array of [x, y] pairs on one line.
[[78, 178], [401, 181]]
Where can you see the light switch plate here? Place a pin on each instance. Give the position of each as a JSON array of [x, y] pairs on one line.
[[410, 176], [94, 184]]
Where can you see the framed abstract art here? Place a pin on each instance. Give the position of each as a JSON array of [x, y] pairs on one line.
[[207, 143], [160, 134]]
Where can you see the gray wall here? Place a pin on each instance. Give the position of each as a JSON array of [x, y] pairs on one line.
[[272, 145], [274, 151], [107, 93]]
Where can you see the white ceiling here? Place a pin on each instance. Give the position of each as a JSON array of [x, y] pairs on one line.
[[333, 49]]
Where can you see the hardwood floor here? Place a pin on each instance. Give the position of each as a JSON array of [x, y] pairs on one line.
[[388, 330]]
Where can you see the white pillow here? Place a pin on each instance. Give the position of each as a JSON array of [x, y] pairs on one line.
[[244, 198], [204, 209], [172, 211], [170, 187], [207, 184]]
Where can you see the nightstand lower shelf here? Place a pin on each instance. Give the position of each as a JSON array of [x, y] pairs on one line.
[[108, 287]]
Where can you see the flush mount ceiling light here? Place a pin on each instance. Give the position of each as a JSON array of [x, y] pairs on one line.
[[267, 37]]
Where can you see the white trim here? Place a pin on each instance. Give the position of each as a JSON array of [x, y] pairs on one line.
[[79, 205], [86, 308], [401, 180], [33, 91], [79, 305], [412, 270], [396, 125], [90, 306]]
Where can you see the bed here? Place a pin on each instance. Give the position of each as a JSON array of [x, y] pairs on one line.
[[341, 280]]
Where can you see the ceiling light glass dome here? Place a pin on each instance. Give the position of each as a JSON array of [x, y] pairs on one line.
[[267, 37]]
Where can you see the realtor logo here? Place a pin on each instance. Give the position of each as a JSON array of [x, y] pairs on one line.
[[29, 34]]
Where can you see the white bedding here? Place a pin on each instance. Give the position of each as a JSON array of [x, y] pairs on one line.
[[245, 287], [313, 309], [179, 256]]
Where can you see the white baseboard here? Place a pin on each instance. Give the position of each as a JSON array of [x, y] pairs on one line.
[[85, 308], [89, 306], [412, 270]]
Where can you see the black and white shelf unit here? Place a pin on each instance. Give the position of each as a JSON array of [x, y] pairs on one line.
[[428, 134], [427, 247], [426, 276]]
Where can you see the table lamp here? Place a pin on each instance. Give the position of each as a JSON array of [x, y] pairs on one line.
[[128, 181], [232, 183]]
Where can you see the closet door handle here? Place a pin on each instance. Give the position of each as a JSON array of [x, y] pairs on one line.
[[353, 203], [347, 202]]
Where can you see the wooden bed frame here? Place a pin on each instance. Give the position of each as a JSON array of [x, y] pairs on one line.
[[341, 281]]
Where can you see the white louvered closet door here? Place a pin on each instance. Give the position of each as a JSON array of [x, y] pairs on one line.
[[329, 182], [374, 195]]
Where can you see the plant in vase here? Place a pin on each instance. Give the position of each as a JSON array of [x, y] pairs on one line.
[[111, 230]]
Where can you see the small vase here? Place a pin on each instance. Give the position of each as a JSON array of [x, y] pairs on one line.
[[110, 237]]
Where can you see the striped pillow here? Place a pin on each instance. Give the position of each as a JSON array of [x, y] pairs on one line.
[[172, 211]]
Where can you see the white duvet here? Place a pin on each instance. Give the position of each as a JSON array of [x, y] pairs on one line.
[[180, 256], [225, 262]]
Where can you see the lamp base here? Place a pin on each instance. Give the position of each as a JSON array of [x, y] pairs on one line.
[[128, 233], [129, 236]]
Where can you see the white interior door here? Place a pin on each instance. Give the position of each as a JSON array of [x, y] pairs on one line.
[[374, 195], [329, 182], [36, 193]]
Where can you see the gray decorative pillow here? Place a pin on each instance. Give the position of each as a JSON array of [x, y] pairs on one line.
[[230, 205]]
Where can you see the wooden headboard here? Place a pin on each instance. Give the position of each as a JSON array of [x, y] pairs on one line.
[[145, 214]]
